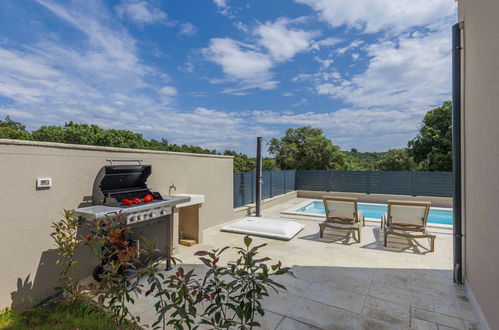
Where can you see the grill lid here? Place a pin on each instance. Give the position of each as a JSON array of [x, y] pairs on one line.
[[119, 179]]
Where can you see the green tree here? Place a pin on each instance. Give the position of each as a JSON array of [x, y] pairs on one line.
[[306, 148], [431, 149], [94, 135], [10, 129], [269, 164], [241, 162], [396, 160]]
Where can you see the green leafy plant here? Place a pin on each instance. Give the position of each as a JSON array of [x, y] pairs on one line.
[[66, 239], [227, 296], [152, 270], [118, 272], [235, 291]]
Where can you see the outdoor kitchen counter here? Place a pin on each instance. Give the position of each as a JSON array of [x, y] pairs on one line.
[[186, 218], [195, 199]]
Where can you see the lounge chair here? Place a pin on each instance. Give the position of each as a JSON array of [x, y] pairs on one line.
[[342, 214], [405, 218]]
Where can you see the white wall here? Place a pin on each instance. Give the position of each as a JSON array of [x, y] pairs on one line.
[[481, 152], [27, 254]]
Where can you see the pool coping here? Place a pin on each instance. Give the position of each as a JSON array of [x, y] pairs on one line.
[[309, 216]]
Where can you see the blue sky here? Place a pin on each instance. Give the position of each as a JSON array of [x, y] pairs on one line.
[[218, 73]]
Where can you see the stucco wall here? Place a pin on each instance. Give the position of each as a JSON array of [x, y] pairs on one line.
[[481, 152], [27, 254]]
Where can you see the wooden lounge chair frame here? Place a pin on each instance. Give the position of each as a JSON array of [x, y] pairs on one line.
[[419, 230], [342, 223]]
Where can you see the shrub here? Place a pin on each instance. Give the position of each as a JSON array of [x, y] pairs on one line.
[[66, 240], [225, 296]]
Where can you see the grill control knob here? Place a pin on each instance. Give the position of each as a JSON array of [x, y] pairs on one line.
[[153, 214], [141, 217], [134, 218], [164, 212]]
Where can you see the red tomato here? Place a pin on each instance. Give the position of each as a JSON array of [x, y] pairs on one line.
[[136, 200], [126, 202], [148, 198]]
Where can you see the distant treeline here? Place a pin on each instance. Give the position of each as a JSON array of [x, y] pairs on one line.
[[86, 134], [300, 148]]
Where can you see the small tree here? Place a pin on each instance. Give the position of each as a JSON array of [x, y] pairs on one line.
[[396, 160], [10, 129], [306, 148], [227, 296], [241, 162], [431, 149], [269, 164], [66, 239]]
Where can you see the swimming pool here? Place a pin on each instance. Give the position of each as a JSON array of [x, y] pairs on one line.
[[437, 216]]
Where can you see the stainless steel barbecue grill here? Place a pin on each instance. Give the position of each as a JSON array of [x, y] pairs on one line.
[[123, 189], [115, 184]]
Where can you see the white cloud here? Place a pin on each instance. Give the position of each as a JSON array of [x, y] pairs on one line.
[[300, 103], [283, 42], [226, 130], [168, 90], [412, 72], [222, 6], [325, 63], [328, 42], [247, 67], [374, 16], [364, 129], [100, 80], [141, 11], [188, 29], [241, 26], [354, 44]]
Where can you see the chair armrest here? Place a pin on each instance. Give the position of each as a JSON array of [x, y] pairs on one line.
[[383, 219], [360, 215]]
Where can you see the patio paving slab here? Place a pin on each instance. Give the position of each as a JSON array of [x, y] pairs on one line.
[[340, 284]]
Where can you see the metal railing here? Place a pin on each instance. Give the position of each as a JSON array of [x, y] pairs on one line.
[[414, 183]]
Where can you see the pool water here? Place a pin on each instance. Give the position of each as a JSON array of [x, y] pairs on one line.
[[375, 211]]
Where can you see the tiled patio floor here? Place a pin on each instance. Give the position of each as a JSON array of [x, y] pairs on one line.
[[341, 284]]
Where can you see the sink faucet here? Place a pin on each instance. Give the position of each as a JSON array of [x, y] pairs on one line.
[[170, 189]]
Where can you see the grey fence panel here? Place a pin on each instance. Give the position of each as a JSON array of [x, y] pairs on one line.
[[397, 183], [277, 187], [348, 181], [434, 184], [267, 184], [290, 180], [377, 182], [274, 183], [244, 190], [312, 180]]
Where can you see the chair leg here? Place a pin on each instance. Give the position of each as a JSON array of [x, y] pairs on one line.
[[358, 234], [386, 236], [321, 230], [432, 244]]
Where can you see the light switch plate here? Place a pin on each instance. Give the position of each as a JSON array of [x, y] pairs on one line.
[[43, 183]]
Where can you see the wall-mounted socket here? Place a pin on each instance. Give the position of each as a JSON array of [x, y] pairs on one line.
[[43, 183]]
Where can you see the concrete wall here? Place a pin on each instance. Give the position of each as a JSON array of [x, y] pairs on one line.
[[27, 254], [481, 152]]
